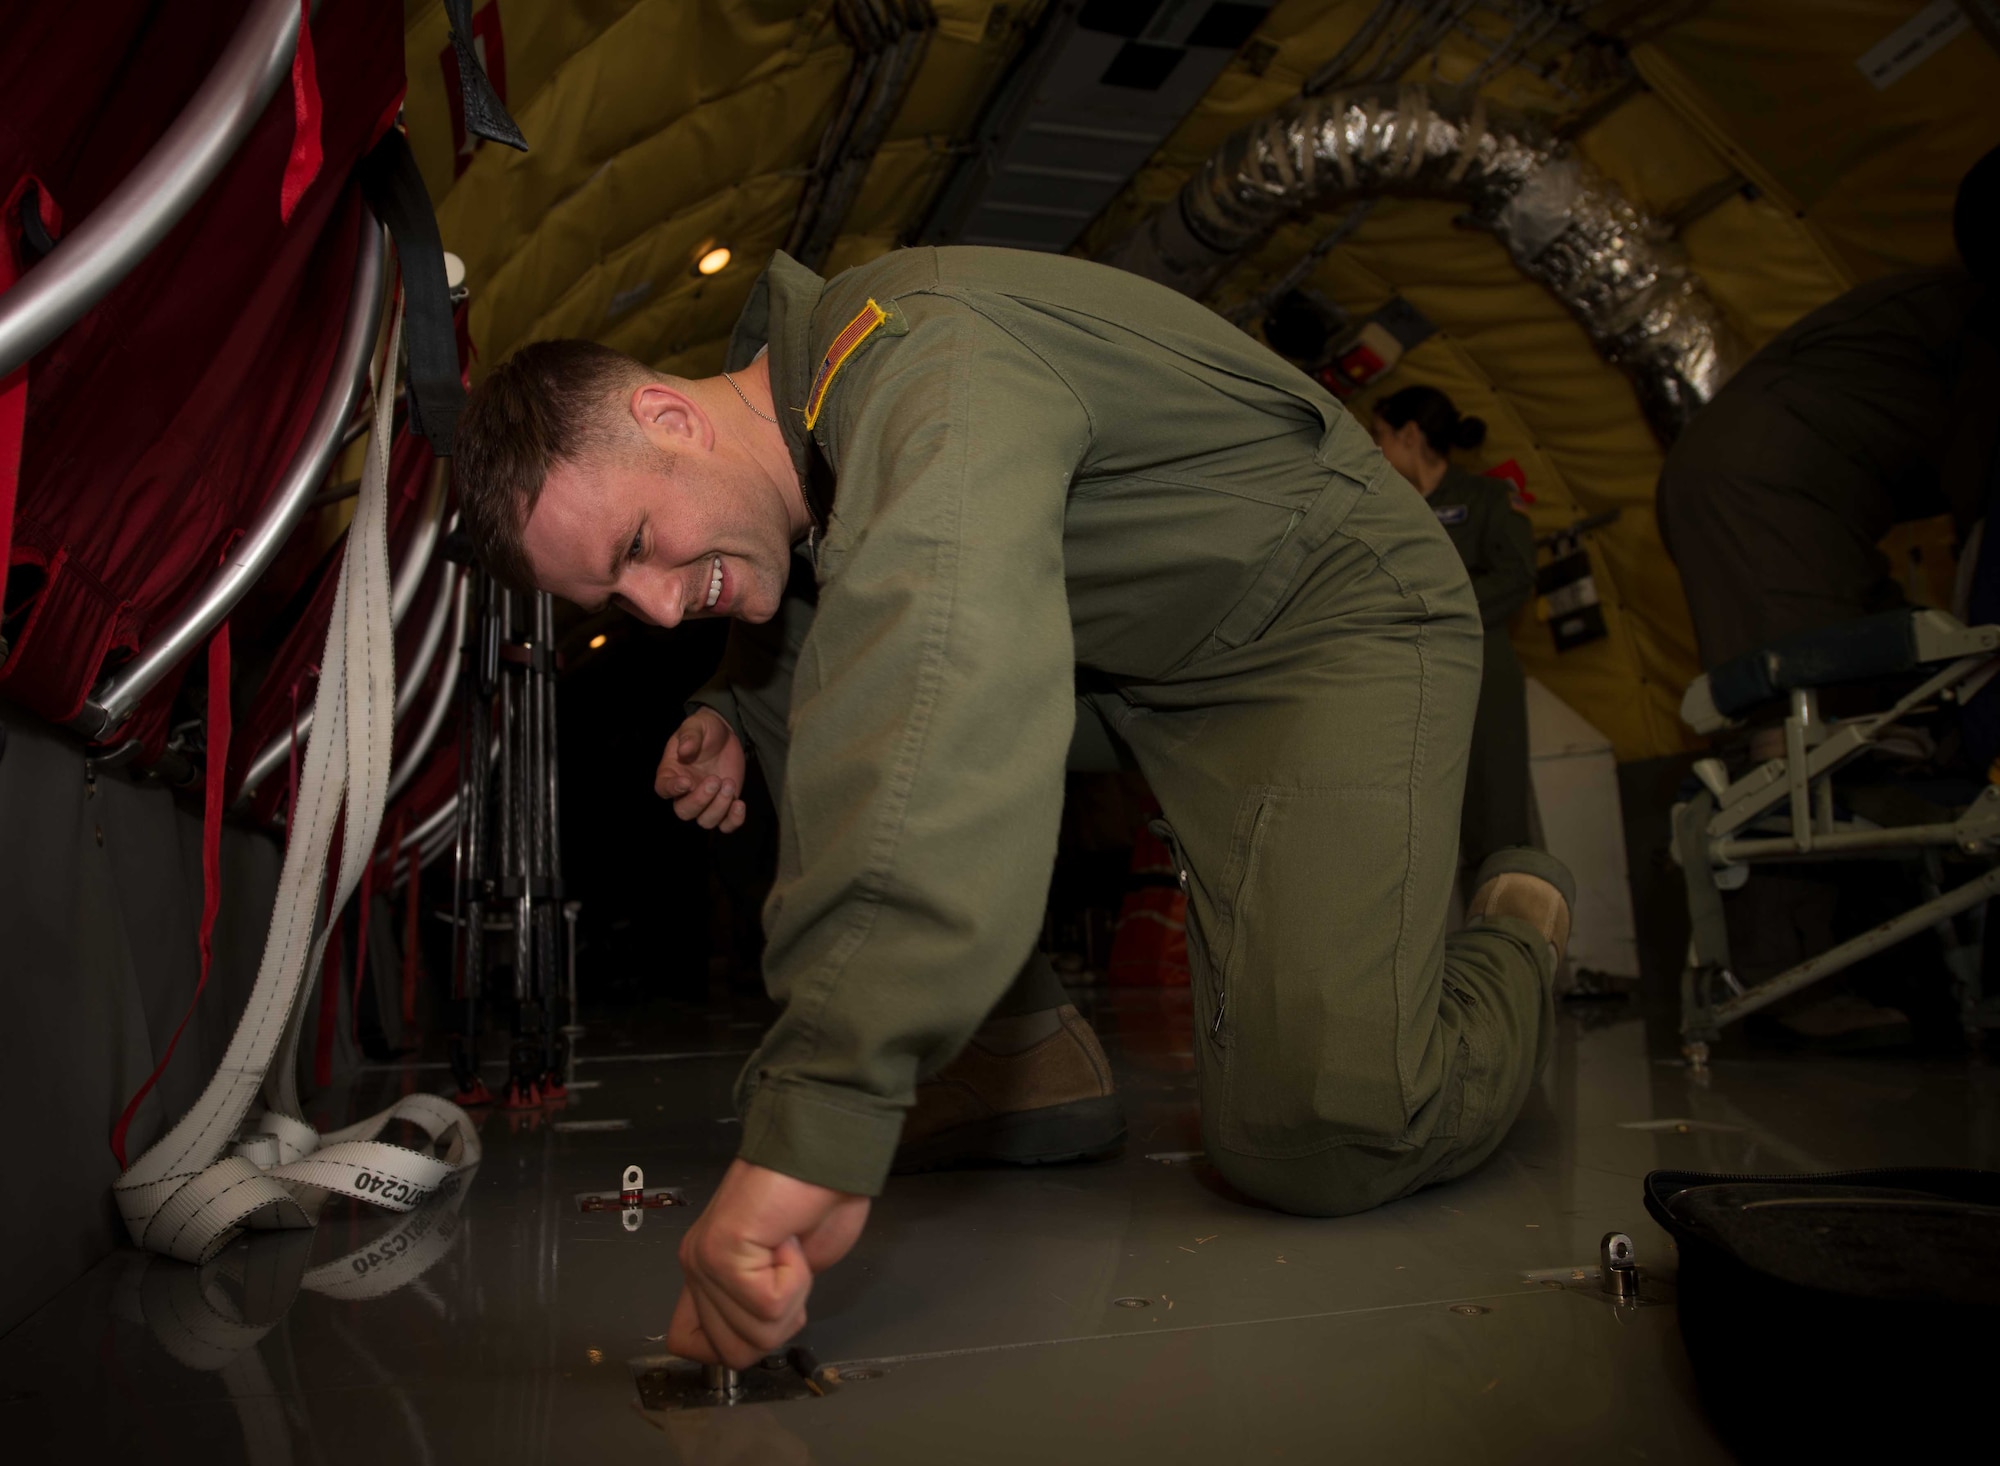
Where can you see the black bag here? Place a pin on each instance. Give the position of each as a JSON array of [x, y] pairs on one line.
[[1845, 1313]]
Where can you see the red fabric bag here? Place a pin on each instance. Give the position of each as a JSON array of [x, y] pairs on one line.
[[158, 424]]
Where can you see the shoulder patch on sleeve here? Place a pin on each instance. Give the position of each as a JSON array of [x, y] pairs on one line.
[[844, 345], [1451, 513]]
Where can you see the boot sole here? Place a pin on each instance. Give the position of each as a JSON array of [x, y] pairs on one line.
[[1082, 1130]]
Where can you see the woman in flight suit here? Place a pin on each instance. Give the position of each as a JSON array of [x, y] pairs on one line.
[[1416, 429]]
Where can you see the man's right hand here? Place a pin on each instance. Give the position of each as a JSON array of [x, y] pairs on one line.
[[702, 772]]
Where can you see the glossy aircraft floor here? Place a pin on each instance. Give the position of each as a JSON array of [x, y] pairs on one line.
[[1121, 1311]]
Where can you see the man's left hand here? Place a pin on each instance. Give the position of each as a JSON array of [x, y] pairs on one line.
[[748, 1263]]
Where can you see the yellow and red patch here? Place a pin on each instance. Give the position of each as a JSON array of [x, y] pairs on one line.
[[1510, 472], [844, 345]]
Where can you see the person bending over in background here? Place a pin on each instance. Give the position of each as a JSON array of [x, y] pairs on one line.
[[1880, 407]]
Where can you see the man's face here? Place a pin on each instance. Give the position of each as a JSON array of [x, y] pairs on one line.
[[667, 539]]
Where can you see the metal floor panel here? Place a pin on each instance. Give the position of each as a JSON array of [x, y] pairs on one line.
[[979, 1319]]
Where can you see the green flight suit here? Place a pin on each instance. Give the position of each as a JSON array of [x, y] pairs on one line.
[[1047, 483], [1498, 548]]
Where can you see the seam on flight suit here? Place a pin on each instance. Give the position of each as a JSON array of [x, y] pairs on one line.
[[1413, 853], [1307, 530], [1291, 562], [1420, 733], [1237, 918], [873, 880], [1054, 369], [1061, 309], [1383, 563], [1383, 556], [1222, 958], [1094, 484]]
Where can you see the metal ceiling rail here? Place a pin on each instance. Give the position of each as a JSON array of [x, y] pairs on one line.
[[441, 701], [136, 215], [423, 543], [441, 819], [411, 681], [439, 831], [402, 595], [115, 697], [889, 38]]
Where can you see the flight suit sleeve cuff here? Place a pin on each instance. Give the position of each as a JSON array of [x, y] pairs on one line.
[[833, 1138], [718, 697]]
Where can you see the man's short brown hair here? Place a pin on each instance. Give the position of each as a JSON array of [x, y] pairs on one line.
[[550, 402]]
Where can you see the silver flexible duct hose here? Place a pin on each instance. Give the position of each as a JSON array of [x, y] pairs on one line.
[[1564, 223]]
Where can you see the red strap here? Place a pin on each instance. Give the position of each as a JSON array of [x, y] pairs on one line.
[[303, 165], [14, 387], [411, 934], [13, 419], [211, 863]]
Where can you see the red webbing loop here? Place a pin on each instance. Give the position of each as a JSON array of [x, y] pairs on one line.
[[13, 420], [213, 777], [14, 387], [302, 167]]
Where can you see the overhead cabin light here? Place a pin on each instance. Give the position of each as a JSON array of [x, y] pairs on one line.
[[714, 261], [598, 641]]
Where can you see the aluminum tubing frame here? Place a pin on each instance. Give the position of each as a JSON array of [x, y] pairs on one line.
[[441, 701], [93, 257], [1747, 799], [116, 696], [476, 757], [1707, 838], [440, 821], [423, 543], [1702, 1022], [411, 683], [417, 556]]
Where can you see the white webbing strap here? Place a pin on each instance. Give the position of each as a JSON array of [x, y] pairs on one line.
[[187, 1196], [209, 1316]]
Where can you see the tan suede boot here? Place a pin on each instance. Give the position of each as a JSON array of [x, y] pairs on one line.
[[1531, 885], [1051, 1102]]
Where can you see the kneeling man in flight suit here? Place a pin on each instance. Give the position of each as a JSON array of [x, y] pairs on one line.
[[1027, 489]]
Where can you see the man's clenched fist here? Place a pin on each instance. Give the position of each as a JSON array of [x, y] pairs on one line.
[[702, 772], [748, 1262]]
